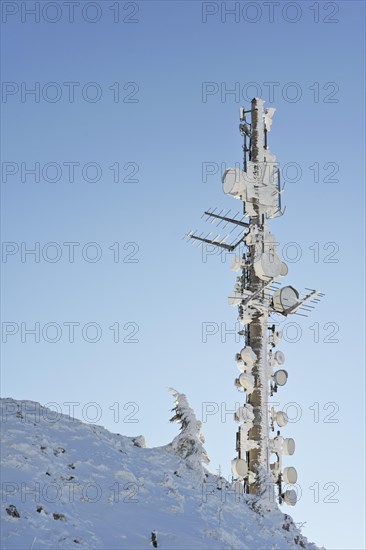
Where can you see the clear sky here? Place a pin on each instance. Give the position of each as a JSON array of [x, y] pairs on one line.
[[144, 88]]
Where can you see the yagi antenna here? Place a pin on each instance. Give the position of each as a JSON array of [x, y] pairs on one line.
[[228, 220], [215, 241]]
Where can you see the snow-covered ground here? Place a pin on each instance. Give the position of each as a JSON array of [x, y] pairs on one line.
[[66, 484]]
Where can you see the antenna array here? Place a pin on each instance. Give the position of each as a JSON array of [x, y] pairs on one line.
[[258, 296]]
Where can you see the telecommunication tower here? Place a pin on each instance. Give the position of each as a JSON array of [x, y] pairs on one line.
[[259, 297]]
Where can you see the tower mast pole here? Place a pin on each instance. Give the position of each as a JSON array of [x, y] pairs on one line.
[[257, 329]]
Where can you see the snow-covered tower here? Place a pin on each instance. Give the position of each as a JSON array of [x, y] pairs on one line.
[[258, 296]]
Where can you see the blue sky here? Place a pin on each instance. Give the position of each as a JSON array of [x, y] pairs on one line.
[[162, 131]]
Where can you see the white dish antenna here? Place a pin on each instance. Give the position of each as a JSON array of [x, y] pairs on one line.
[[281, 418], [289, 446], [290, 475], [285, 299], [233, 182], [268, 266], [246, 380], [284, 270], [279, 357], [290, 497], [248, 356], [280, 377], [239, 468]]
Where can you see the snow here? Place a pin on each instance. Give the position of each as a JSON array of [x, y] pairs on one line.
[[77, 485], [268, 114], [188, 444]]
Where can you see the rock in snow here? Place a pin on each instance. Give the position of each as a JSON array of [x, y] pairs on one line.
[[66, 484]]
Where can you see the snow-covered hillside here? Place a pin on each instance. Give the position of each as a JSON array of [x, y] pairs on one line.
[[66, 484]]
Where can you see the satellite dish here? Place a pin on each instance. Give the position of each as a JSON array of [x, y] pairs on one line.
[[290, 497], [239, 467], [248, 355], [284, 299], [279, 357], [246, 380], [284, 269], [268, 266], [280, 377], [290, 475], [289, 446], [281, 418], [233, 182]]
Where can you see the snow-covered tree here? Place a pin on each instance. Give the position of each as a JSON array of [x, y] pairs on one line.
[[189, 442]]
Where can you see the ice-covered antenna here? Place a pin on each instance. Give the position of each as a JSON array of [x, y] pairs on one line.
[[258, 297]]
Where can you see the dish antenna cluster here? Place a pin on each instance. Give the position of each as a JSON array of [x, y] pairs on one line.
[[258, 296]]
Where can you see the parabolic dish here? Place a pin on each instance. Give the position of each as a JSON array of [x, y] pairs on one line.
[[281, 418], [290, 475], [248, 355], [246, 380], [280, 377], [289, 446], [279, 357], [239, 467], [290, 497], [284, 270], [284, 299], [268, 266], [233, 182]]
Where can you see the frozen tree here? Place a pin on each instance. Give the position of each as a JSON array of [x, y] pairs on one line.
[[189, 442]]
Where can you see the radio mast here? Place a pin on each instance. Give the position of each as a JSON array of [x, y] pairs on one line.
[[258, 295]]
